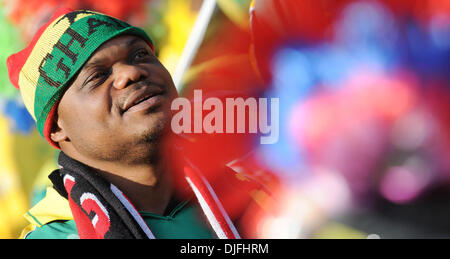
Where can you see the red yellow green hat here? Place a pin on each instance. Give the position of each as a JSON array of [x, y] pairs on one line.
[[42, 71]]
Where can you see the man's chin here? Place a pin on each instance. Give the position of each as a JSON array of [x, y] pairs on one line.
[[154, 128]]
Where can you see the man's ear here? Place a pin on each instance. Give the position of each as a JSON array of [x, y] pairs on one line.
[[58, 134]]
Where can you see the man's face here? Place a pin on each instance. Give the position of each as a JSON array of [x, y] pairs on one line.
[[119, 103]]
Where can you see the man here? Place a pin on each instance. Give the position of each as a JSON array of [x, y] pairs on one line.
[[98, 93]]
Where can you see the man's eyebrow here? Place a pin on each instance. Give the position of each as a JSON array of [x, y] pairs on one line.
[[133, 41], [95, 63], [101, 61]]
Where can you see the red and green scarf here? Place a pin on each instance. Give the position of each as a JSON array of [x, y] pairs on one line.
[[102, 211]]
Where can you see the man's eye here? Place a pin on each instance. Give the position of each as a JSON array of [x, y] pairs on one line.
[[141, 54], [98, 77]]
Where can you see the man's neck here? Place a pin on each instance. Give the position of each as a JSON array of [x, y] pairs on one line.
[[148, 186]]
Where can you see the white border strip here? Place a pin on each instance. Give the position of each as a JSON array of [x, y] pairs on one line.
[[221, 208], [216, 199], [207, 210], [132, 211]]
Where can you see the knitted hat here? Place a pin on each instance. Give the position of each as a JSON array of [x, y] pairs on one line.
[[56, 53]]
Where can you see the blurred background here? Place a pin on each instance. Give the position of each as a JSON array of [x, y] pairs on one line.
[[364, 90]]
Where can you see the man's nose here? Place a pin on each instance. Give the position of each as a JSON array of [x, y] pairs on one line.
[[126, 74]]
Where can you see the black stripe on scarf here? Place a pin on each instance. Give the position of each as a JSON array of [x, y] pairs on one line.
[[97, 212]]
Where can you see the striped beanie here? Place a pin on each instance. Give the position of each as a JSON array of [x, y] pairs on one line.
[[56, 53]]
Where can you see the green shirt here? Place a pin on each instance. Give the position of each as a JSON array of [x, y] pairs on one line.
[[184, 221]]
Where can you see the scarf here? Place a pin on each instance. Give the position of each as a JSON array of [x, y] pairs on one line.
[[102, 211]]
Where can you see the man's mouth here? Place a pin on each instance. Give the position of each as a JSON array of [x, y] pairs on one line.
[[143, 99]]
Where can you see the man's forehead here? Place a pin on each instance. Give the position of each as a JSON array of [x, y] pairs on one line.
[[124, 42]]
